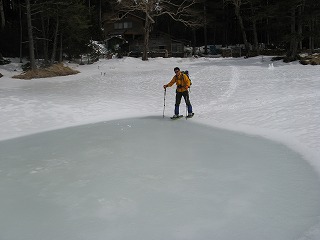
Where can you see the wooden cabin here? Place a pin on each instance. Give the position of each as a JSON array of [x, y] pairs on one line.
[[128, 34]]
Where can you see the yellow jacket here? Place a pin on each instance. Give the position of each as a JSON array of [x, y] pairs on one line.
[[182, 81]]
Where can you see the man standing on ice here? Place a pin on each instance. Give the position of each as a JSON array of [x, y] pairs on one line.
[[183, 83]]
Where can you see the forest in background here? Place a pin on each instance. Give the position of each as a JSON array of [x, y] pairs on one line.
[[56, 29]]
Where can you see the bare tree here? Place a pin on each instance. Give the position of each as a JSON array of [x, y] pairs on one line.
[[294, 35], [237, 5], [3, 19], [295, 11], [55, 40], [21, 33], [178, 10], [205, 34], [30, 34]]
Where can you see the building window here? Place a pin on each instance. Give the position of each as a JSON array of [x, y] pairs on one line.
[[127, 25], [118, 25], [123, 25]]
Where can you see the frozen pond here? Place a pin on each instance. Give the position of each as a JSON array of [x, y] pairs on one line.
[[153, 178]]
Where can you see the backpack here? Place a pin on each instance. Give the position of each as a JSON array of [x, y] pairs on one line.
[[186, 72]]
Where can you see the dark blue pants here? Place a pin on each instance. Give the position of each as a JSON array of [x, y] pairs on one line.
[[185, 95]]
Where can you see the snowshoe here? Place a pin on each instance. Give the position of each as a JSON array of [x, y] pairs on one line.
[[176, 116], [190, 115]]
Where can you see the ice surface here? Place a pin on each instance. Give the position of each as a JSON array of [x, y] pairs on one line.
[[154, 178], [152, 185]]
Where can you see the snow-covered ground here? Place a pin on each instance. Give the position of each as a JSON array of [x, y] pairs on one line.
[[138, 175]]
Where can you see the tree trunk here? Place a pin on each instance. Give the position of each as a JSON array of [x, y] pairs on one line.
[[3, 19], [146, 39], [205, 34], [255, 36], [244, 35], [194, 41], [300, 12], [254, 30], [311, 37], [61, 52], [45, 41], [31, 43], [293, 37], [55, 42], [21, 33]]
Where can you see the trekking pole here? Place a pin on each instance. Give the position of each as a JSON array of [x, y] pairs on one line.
[[164, 101], [187, 107]]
